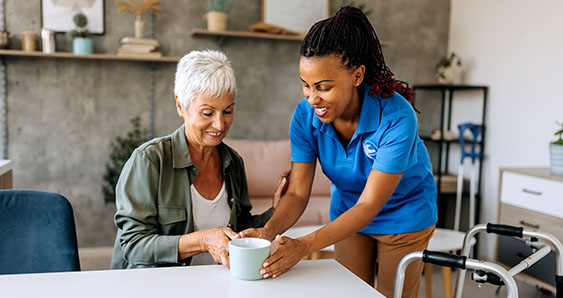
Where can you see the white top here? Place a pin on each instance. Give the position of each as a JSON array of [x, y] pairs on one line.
[[209, 214], [321, 278]]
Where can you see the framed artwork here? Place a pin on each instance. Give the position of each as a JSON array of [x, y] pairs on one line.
[[295, 15], [57, 15]]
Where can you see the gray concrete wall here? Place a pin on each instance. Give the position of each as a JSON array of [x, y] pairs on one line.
[[63, 113]]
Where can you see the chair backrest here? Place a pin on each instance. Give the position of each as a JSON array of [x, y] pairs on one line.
[[37, 233]]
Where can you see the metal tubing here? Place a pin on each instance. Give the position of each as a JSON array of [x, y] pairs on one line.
[[509, 282], [511, 288], [530, 260], [472, 195], [554, 242], [465, 252], [401, 269], [457, 217]]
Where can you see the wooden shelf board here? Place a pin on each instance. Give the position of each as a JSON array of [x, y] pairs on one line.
[[244, 34], [438, 86], [66, 55], [248, 34]]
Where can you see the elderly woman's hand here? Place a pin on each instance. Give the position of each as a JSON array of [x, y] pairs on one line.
[[216, 242], [289, 252]]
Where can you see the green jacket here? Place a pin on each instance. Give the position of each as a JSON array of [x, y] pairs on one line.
[[154, 205]]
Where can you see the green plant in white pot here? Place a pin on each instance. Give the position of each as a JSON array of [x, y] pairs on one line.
[[556, 152], [217, 15], [81, 43]]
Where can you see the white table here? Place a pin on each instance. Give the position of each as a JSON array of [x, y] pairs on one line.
[[321, 278]]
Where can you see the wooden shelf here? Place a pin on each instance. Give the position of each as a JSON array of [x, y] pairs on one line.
[[248, 34], [245, 34], [66, 55]]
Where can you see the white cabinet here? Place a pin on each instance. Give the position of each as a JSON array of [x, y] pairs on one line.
[[531, 198]]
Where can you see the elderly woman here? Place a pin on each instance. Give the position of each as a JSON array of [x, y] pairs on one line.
[[180, 198]]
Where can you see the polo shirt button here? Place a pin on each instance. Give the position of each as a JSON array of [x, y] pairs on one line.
[[229, 225], [232, 200]]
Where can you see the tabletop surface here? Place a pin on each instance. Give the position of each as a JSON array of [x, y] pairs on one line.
[[319, 278]]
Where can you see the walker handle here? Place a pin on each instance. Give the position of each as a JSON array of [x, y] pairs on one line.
[[505, 230], [443, 259]]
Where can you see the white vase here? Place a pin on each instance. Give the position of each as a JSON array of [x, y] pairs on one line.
[[450, 74], [139, 27], [556, 157]]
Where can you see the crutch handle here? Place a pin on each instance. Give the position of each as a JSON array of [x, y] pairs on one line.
[[443, 259], [505, 230]]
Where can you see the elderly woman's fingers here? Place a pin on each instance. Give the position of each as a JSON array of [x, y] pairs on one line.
[[225, 259], [230, 233]]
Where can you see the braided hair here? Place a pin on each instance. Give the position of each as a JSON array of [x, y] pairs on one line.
[[350, 35]]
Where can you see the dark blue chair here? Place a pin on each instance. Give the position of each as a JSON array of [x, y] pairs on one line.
[[37, 233]]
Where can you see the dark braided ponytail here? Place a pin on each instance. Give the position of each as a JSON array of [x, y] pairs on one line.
[[350, 35]]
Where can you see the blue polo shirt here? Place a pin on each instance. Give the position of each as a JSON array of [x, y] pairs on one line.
[[386, 140]]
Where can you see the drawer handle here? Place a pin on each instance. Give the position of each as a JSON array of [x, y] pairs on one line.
[[529, 225], [532, 192]]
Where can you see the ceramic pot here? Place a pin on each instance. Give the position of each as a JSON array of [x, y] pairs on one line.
[[216, 21], [82, 46], [556, 157], [450, 74]]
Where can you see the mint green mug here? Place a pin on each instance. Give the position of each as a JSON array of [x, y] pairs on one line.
[[246, 256]]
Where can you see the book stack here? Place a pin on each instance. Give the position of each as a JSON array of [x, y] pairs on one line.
[[138, 47]]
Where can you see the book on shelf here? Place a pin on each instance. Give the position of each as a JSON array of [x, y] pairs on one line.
[[138, 48], [126, 53], [139, 41]]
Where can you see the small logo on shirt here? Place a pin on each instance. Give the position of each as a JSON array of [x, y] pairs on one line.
[[370, 149]]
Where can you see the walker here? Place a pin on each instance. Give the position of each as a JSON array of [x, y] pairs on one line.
[[543, 243]]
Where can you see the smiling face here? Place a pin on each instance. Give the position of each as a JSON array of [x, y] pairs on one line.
[[207, 119], [330, 87]]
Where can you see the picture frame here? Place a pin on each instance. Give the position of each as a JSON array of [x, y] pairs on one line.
[[295, 15], [57, 15]]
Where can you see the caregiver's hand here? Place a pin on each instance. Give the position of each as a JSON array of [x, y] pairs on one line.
[[289, 252], [283, 183], [216, 242]]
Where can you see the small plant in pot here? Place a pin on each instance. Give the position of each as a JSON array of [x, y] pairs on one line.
[[447, 69], [81, 43], [217, 15], [556, 152]]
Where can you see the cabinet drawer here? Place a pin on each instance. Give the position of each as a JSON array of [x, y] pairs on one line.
[[514, 216], [533, 193]]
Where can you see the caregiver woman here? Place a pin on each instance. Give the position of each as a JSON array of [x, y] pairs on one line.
[[361, 124]]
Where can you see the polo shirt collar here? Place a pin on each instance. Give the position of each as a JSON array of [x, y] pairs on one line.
[[369, 115], [181, 154]]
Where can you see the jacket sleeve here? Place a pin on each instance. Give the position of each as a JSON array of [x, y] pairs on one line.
[[137, 215]]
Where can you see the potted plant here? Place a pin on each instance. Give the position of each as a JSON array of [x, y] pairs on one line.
[[556, 152], [360, 6], [81, 43], [139, 7], [217, 15], [447, 69], [121, 150]]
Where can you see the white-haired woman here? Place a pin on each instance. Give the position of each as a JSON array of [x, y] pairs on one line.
[[180, 198]]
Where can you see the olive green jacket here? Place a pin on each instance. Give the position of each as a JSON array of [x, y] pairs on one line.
[[154, 205]]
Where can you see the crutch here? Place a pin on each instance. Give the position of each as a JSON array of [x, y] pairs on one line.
[[475, 130], [543, 242], [450, 260]]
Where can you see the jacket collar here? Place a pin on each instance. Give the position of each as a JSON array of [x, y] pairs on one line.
[[181, 154]]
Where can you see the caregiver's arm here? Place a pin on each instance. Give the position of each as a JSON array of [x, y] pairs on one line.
[[291, 205], [379, 188]]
